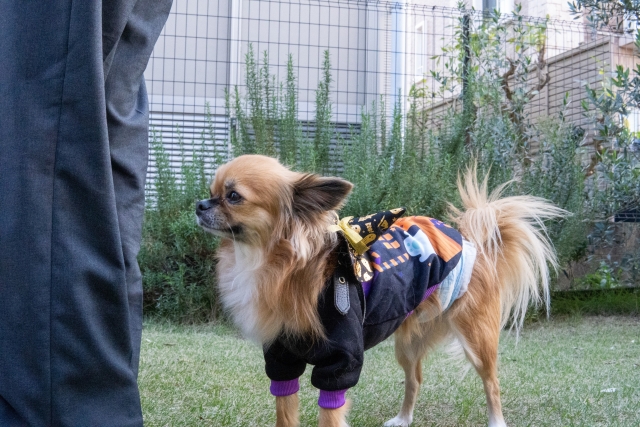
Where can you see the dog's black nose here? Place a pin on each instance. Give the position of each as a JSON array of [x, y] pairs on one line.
[[205, 205]]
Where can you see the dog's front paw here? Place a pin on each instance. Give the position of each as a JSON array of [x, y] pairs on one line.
[[399, 421], [334, 417]]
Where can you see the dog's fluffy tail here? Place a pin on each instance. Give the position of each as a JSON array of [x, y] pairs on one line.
[[510, 236]]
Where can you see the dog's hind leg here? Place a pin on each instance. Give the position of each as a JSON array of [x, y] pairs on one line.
[[412, 379], [287, 411], [478, 329], [413, 340]]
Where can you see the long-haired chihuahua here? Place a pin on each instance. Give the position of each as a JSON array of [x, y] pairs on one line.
[[312, 289]]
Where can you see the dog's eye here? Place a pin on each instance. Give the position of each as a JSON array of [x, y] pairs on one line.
[[233, 197]]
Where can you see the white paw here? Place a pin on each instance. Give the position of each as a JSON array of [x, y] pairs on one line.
[[399, 421]]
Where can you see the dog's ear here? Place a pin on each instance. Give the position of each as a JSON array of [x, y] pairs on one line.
[[313, 194]]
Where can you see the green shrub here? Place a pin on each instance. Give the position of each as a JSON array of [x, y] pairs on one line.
[[266, 117], [389, 170], [599, 302], [176, 256], [393, 161]]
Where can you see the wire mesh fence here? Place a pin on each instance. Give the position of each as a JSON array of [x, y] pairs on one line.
[[393, 53]]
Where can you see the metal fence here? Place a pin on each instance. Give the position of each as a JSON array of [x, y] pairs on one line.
[[378, 50]]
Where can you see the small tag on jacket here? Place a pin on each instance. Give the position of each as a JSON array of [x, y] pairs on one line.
[[341, 291]]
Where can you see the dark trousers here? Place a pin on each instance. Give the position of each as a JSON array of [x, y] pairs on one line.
[[73, 159]]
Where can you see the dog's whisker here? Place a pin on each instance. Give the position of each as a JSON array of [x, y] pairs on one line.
[[231, 230]]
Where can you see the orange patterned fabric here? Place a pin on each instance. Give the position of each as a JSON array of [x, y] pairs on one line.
[[444, 245]]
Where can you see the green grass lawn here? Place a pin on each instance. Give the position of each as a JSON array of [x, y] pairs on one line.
[[581, 371]]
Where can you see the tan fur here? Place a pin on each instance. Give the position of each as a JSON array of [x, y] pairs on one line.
[[510, 272], [282, 255], [287, 411], [334, 417], [294, 252], [474, 319], [510, 233]]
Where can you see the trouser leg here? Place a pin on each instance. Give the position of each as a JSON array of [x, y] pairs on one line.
[[68, 333], [31, 87], [128, 126]]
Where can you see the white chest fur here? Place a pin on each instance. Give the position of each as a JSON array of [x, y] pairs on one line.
[[238, 289]]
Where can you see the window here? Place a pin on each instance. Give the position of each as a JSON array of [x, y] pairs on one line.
[[490, 5], [503, 6]]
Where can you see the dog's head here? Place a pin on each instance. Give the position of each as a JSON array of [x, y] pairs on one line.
[[254, 200]]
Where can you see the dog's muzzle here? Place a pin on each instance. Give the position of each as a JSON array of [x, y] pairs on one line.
[[210, 218], [204, 205]]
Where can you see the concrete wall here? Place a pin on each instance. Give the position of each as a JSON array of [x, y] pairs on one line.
[[554, 9], [570, 73], [374, 52], [202, 50]]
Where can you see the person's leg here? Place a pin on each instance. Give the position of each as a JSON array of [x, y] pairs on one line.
[[34, 40], [128, 125], [68, 356]]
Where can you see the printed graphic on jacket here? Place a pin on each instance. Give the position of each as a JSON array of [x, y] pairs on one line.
[[361, 232], [413, 258]]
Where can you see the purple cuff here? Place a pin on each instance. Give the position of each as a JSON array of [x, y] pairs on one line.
[[284, 388], [331, 399]]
